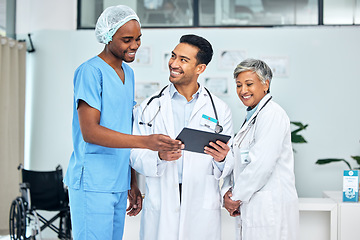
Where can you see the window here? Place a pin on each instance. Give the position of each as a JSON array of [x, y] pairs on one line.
[[152, 13], [2, 18], [7, 18], [344, 12], [258, 12], [166, 13], [217, 13]]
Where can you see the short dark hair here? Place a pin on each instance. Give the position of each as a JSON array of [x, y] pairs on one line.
[[205, 53]]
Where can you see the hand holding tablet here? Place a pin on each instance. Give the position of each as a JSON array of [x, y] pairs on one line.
[[196, 140]]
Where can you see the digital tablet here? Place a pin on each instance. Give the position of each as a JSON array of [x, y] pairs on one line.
[[196, 140]]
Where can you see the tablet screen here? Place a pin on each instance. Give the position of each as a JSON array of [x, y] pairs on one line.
[[196, 140]]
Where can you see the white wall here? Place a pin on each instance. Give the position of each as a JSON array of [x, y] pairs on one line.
[[322, 88], [34, 15]]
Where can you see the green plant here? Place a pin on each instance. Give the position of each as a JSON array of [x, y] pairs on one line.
[[295, 137], [330, 160]]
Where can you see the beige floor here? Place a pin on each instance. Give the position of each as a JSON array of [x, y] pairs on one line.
[[132, 227]]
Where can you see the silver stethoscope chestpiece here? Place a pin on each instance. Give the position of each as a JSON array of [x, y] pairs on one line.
[[218, 128]]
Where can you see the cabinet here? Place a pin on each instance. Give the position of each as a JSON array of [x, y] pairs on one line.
[[318, 219], [348, 216]]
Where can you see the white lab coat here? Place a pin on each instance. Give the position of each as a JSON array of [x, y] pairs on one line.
[[264, 177], [199, 215]]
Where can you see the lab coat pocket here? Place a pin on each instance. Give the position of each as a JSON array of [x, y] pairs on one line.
[[259, 211], [251, 137], [212, 199]]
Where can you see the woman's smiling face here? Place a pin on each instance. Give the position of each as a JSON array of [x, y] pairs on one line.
[[250, 89]]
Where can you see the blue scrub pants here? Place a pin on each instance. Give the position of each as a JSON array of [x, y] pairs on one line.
[[97, 215]]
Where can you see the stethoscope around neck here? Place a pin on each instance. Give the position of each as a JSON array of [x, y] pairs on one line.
[[251, 123], [218, 127]]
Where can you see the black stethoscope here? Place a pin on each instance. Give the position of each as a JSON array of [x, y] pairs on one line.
[[254, 119], [218, 127]]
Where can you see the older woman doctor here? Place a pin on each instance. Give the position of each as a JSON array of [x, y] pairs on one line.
[[261, 193]]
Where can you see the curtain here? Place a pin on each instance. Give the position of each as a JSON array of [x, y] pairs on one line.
[[12, 116]]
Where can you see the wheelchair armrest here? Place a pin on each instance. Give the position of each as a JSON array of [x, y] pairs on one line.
[[25, 192], [24, 185]]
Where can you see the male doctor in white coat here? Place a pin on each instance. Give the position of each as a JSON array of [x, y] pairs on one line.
[[182, 199]]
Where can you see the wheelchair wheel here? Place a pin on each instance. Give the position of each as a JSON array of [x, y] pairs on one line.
[[17, 220]]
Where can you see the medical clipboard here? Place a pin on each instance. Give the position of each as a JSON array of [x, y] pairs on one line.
[[196, 140]]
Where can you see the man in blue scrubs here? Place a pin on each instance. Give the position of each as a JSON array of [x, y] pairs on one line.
[[98, 175]]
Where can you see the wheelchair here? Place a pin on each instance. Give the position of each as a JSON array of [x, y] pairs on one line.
[[40, 191]]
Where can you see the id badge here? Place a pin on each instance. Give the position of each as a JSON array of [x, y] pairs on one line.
[[244, 156], [208, 122]]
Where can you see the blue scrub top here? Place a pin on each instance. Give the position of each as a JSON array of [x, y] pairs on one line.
[[100, 168]]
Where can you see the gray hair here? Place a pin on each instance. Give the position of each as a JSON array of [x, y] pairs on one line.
[[262, 70]]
